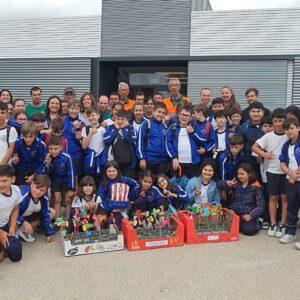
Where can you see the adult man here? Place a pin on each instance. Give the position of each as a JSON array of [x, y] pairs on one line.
[[69, 94], [103, 108], [205, 96], [123, 91], [36, 105], [175, 96], [252, 95], [140, 97]]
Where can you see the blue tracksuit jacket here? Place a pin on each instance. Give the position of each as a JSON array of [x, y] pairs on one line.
[[172, 142], [61, 170], [182, 199], [31, 157], [284, 156], [44, 212], [227, 132], [109, 137], [210, 138], [151, 141], [227, 164], [108, 196], [74, 146]]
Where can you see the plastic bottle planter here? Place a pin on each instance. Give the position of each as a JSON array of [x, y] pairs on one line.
[[210, 228], [152, 238]]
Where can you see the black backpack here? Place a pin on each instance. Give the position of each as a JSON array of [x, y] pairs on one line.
[[121, 150]]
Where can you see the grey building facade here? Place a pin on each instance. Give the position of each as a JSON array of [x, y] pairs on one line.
[[145, 42]]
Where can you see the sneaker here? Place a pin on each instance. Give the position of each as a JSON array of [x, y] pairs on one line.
[[297, 245], [272, 230], [287, 238], [280, 231], [265, 225], [25, 237]]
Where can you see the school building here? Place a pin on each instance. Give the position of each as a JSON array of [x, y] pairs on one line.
[[145, 42]]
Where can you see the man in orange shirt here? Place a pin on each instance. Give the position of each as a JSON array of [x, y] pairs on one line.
[[175, 96], [123, 91]]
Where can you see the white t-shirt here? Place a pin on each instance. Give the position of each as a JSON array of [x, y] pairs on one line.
[[272, 142], [221, 141], [203, 196], [32, 208], [80, 202], [96, 142], [293, 165], [8, 203], [184, 147], [136, 126], [13, 136], [263, 166], [84, 119]]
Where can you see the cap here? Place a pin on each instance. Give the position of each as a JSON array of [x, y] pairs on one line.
[[69, 89]]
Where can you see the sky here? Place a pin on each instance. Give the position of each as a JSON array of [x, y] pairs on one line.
[[11, 9]]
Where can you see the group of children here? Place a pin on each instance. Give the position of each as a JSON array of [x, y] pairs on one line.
[[146, 158]]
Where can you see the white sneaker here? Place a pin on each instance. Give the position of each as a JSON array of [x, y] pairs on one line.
[[272, 230], [25, 237], [280, 231], [265, 225], [287, 238], [297, 245]]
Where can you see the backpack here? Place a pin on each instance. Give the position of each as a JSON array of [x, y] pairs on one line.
[[121, 150], [8, 127]]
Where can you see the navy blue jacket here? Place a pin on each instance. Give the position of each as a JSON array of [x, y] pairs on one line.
[[109, 137], [151, 141], [251, 133], [74, 146], [227, 164], [61, 170], [246, 200], [152, 199], [110, 196], [209, 135], [15, 124], [284, 156], [182, 197], [44, 212], [31, 157], [227, 132], [172, 142]]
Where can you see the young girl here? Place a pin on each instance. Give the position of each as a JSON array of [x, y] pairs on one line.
[[203, 189], [173, 194], [138, 116], [87, 101], [145, 196], [86, 198], [227, 94], [114, 192], [53, 109], [248, 200], [148, 108], [19, 105]]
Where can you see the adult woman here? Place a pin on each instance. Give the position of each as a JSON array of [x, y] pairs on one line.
[[227, 94], [53, 109], [148, 107], [87, 101], [6, 96]]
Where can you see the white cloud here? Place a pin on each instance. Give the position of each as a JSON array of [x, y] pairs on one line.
[[252, 4], [11, 9]]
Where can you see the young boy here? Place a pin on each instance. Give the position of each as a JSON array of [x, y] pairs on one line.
[[29, 154], [251, 130], [64, 107], [204, 128], [10, 197], [269, 147], [229, 160], [151, 142], [60, 169], [39, 119], [57, 127], [92, 142], [8, 136], [182, 142], [235, 117], [34, 210], [290, 165], [217, 104], [120, 139], [222, 133]]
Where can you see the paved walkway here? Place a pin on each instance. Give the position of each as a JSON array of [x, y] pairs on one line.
[[252, 268]]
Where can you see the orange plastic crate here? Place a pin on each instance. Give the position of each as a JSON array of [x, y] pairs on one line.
[[133, 243], [193, 237]]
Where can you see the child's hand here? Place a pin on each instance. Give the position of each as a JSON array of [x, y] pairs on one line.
[[28, 179], [197, 190], [176, 165], [142, 193], [117, 125], [12, 229], [3, 238], [189, 129], [77, 124], [93, 130], [15, 159], [27, 227], [224, 195], [231, 183], [267, 155], [247, 217], [48, 159], [126, 124], [143, 164], [291, 180], [201, 150], [49, 239], [46, 131]]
